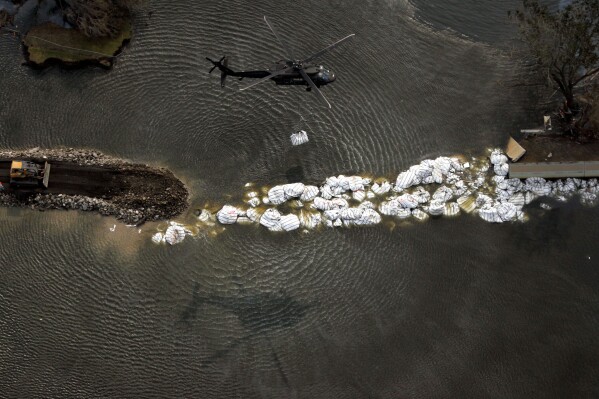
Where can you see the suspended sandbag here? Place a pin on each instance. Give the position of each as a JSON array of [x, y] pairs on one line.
[[298, 138]]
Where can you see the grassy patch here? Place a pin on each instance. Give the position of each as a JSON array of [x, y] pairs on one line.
[[52, 42]]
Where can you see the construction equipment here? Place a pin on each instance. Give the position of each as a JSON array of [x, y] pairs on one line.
[[29, 174]]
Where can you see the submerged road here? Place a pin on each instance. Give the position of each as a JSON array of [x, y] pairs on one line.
[[72, 179]]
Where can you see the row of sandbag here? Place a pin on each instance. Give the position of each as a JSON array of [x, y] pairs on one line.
[[496, 199]]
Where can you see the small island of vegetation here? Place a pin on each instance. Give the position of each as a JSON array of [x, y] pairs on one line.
[[90, 32]]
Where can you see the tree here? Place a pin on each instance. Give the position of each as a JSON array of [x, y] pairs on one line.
[[564, 43], [97, 18]]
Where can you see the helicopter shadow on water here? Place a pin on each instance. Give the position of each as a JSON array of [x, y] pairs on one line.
[[261, 314]]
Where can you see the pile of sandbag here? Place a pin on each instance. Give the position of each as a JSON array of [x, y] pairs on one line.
[[342, 201]]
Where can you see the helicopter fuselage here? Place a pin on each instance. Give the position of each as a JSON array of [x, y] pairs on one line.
[[318, 73]]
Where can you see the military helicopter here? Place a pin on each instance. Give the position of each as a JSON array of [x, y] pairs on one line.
[[286, 72]]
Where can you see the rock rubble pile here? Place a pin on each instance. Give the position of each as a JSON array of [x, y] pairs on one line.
[[141, 193]]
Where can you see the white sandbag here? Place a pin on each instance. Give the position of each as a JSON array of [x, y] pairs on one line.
[[339, 203], [368, 218], [489, 214], [483, 200], [321, 204], [529, 197], [405, 180], [456, 165], [443, 194], [174, 234], [443, 164], [436, 207], [421, 195], [355, 183], [429, 180], [228, 214], [293, 190], [515, 185], [158, 238], [290, 222], [437, 176], [419, 215], [351, 213], [502, 195], [326, 192], [276, 195], [507, 211], [518, 200], [390, 207], [451, 209], [332, 214], [359, 195], [382, 188], [367, 205], [253, 214], [466, 203], [498, 179], [271, 219], [407, 201], [452, 178], [538, 186], [205, 215], [477, 183], [497, 157], [298, 138], [310, 192], [567, 187], [403, 213], [421, 171], [254, 202], [501, 169]]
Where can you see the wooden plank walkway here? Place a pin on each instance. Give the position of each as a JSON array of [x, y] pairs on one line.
[[557, 170]]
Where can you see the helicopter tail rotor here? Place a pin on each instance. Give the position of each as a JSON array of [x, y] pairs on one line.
[[223, 66]]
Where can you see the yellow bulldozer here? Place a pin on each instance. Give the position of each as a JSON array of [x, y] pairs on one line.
[[29, 174]]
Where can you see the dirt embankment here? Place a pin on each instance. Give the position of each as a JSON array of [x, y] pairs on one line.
[[91, 181]]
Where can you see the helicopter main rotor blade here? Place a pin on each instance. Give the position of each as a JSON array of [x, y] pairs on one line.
[[264, 79], [332, 46], [314, 87], [281, 42]]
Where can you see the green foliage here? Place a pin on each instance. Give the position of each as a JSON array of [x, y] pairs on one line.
[[564, 43], [98, 18]]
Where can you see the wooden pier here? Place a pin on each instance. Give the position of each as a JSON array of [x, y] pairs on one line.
[[554, 170]]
